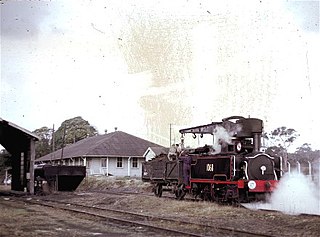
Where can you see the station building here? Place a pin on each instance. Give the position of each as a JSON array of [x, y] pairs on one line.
[[113, 154]]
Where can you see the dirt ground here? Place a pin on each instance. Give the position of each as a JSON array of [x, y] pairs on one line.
[[18, 219]]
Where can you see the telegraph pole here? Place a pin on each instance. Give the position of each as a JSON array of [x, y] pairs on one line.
[[63, 140], [170, 134], [53, 138]]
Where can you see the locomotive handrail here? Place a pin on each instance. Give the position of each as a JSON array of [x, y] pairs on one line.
[[234, 166], [246, 169]]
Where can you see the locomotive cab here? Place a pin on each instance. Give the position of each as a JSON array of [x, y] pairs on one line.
[[244, 145]]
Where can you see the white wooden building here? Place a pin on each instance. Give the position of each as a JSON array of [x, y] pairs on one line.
[[117, 153]]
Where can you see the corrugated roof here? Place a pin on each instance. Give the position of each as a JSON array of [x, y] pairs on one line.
[[119, 144], [25, 131]]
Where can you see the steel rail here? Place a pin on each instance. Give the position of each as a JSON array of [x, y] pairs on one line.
[[216, 229], [191, 199], [114, 219]]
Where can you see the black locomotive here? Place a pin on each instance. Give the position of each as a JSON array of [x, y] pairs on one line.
[[233, 169]]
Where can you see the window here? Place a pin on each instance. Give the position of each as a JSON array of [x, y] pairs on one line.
[[119, 162], [134, 162], [104, 163]]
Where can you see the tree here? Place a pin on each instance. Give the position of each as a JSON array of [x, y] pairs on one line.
[[73, 130], [44, 145], [5, 162], [282, 138], [305, 148], [275, 150], [305, 153]]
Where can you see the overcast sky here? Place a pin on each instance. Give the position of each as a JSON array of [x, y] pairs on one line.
[[142, 65]]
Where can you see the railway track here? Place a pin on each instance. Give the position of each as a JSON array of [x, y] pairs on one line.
[[191, 199], [159, 225], [100, 204], [151, 223]]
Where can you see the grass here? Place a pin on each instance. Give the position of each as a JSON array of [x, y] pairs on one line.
[[101, 183]]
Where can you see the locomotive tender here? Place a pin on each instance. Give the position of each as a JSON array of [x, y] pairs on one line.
[[231, 170]]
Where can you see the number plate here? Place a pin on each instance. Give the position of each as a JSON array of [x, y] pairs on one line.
[[209, 167]]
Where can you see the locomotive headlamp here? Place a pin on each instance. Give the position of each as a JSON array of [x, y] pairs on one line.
[[252, 184]]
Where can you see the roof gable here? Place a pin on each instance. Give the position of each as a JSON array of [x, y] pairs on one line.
[[157, 150]]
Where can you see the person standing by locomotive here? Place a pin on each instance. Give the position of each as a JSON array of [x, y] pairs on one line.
[[186, 160], [174, 152]]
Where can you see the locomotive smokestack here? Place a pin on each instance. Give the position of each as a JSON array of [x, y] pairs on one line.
[[256, 142]]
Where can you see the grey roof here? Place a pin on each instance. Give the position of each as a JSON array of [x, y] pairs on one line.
[[25, 131], [159, 150], [116, 144]]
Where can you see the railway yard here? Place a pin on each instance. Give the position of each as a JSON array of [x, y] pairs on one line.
[[128, 208]]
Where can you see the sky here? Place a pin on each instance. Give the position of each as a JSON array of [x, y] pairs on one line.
[[145, 66]]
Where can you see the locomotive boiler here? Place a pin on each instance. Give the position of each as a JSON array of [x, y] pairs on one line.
[[232, 169]]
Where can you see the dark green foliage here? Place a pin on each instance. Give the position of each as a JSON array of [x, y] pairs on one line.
[[70, 131], [276, 150], [281, 139], [73, 130], [283, 136], [305, 153], [305, 148], [43, 146], [5, 162]]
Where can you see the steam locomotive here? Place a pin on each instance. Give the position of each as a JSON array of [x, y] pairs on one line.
[[231, 170]]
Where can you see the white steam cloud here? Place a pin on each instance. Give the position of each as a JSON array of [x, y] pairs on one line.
[[222, 135], [296, 194]]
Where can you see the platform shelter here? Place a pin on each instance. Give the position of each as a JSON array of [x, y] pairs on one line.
[[20, 143]]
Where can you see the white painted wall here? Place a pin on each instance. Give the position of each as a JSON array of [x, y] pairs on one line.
[[117, 171], [136, 171], [94, 167]]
